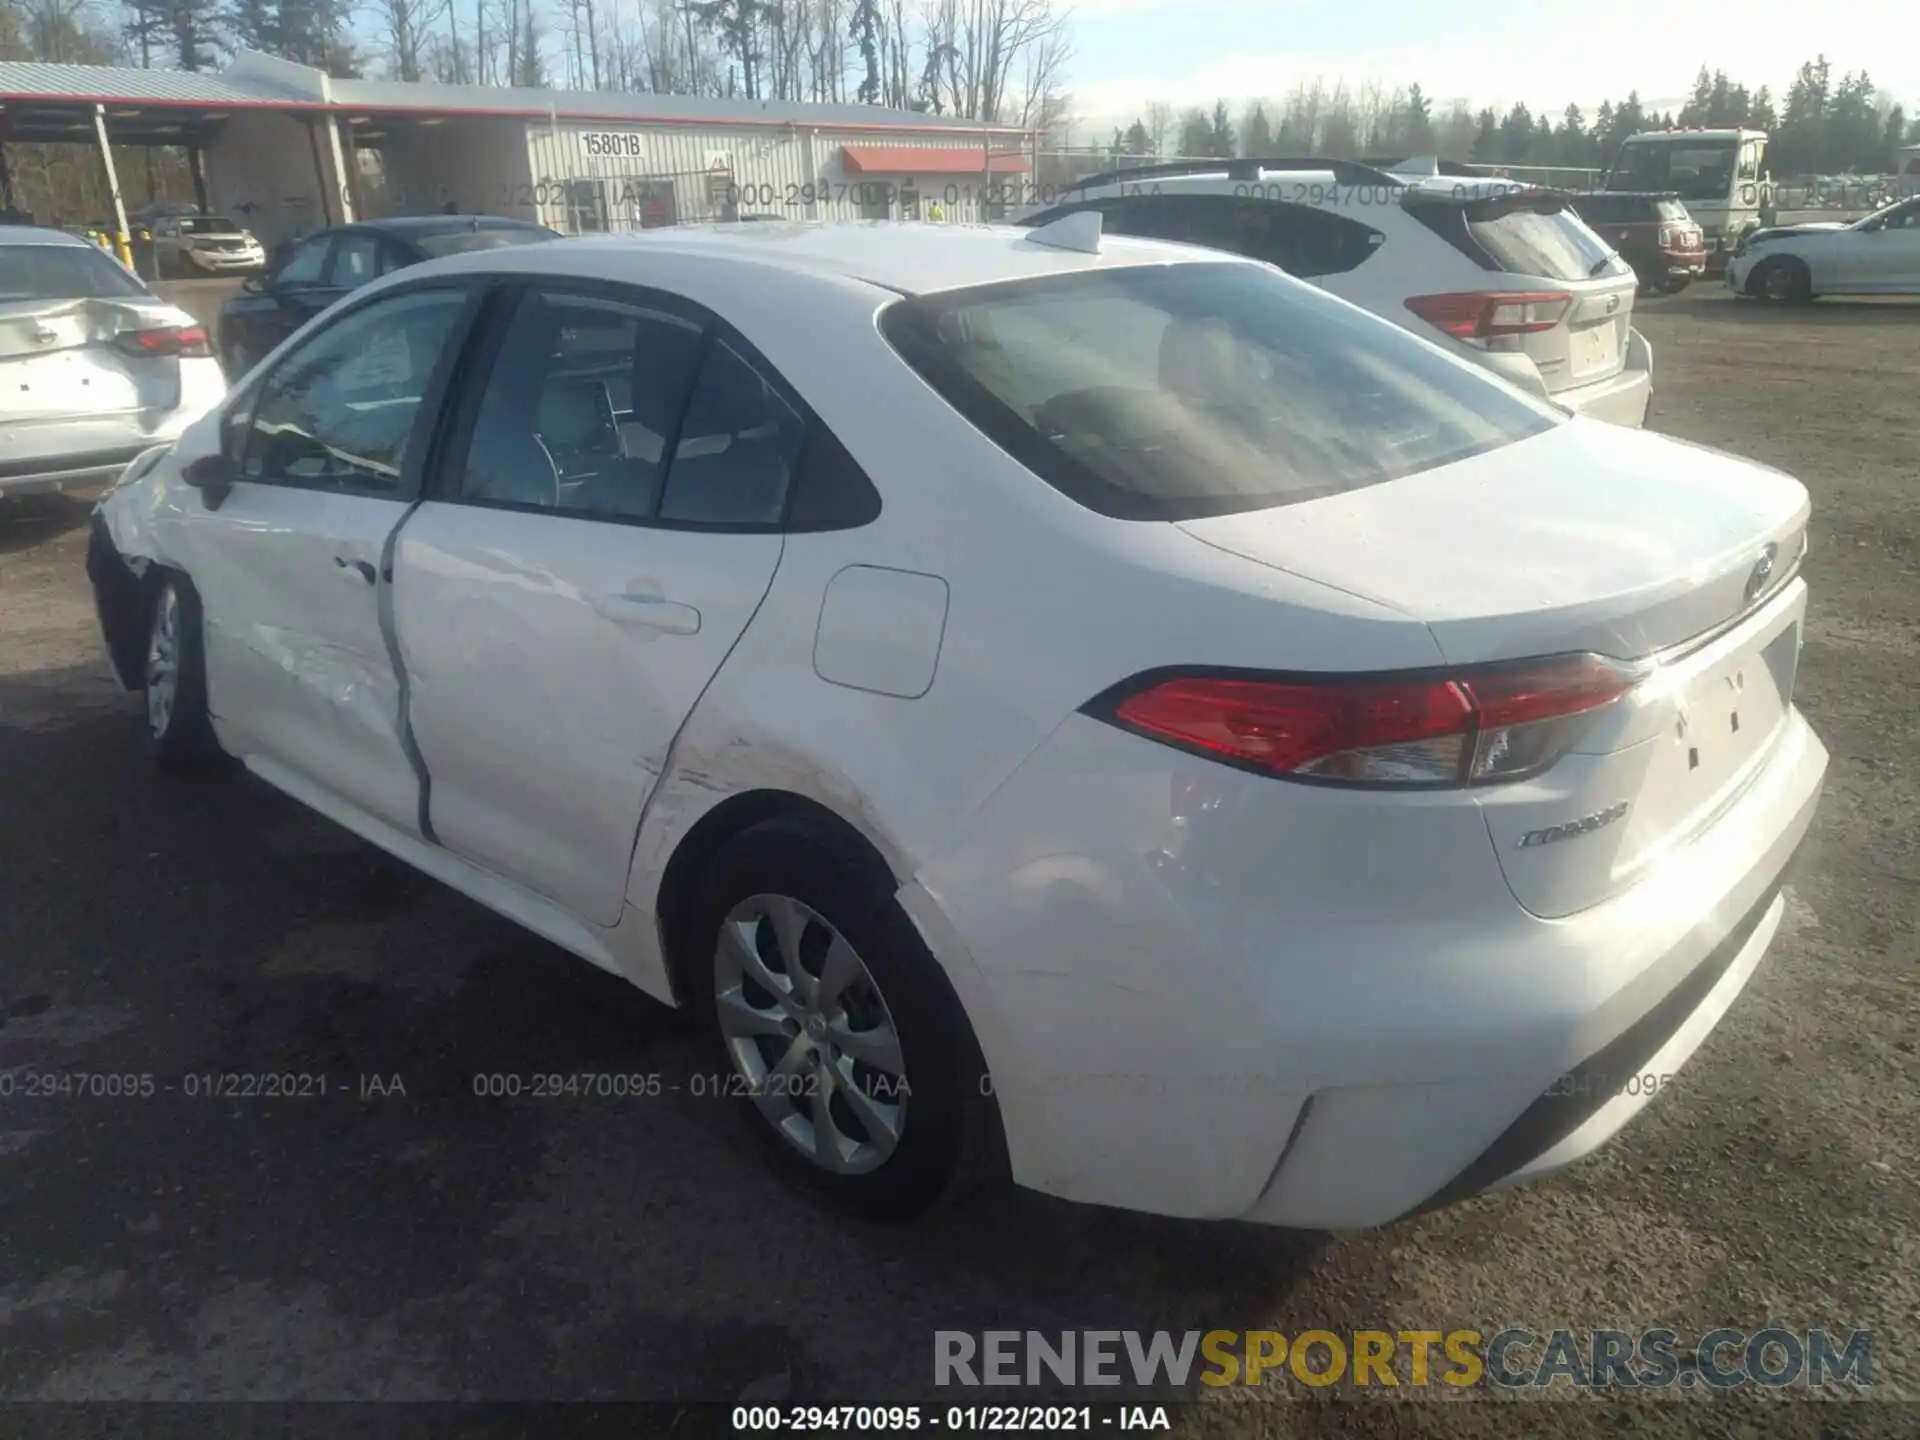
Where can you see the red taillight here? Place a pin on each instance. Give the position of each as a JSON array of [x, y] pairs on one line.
[[1482, 315], [169, 340], [1501, 723], [1666, 238]]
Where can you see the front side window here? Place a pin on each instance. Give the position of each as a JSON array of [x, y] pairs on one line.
[[337, 413], [616, 409], [1173, 392]]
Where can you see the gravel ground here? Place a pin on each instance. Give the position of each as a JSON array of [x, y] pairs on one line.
[[434, 1244]]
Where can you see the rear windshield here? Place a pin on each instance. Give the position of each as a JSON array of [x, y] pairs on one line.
[[63, 272], [459, 242], [1557, 246], [1173, 392]]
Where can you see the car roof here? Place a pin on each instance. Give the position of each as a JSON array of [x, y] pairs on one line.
[[41, 235], [906, 257], [441, 224]]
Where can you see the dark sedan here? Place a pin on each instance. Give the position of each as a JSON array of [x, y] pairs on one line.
[[316, 271]]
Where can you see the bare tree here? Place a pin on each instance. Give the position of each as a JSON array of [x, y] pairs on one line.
[[405, 27], [1159, 124]]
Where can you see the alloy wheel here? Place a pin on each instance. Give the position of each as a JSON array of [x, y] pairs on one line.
[[163, 662], [810, 1034]]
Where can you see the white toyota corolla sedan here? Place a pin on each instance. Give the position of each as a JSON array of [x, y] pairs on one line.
[[1089, 709]]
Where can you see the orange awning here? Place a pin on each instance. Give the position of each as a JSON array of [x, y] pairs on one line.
[[927, 160]]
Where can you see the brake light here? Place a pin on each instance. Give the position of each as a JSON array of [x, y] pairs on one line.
[[1473, 726], [1666, 238], [1482, 315], [166, 341]]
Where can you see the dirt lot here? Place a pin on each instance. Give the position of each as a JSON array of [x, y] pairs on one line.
[[435, 1244]]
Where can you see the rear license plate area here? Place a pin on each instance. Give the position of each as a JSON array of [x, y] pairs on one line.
[[1597, 347], [1729, 713]]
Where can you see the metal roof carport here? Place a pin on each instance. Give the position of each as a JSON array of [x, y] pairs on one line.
[[255, 131], [202, 113]]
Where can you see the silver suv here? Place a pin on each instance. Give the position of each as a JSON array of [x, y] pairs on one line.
[[1503, 272]]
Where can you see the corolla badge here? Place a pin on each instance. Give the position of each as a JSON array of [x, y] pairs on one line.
[[1761, 573], [1585, 825]]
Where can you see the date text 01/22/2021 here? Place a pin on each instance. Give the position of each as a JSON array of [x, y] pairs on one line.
[[956, 1419]]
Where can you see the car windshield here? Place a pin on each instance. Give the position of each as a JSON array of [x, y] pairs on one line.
[[1901, 215], [1173, 392], [1696, 170], [459, 242], [207, 225], [63, 272], [1674, 210]]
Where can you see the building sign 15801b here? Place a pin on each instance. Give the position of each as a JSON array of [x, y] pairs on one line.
[[624, 143]]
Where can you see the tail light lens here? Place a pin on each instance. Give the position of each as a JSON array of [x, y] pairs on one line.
[[1666, 237], [1483, 315], [167, 341], [1471, 727]]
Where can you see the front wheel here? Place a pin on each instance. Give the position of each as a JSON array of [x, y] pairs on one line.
[[176, 729], [1781, 279], [836, 1031]]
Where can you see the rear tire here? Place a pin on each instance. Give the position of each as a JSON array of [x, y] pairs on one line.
[[833, 1028], [176, 729], [1782, 280]]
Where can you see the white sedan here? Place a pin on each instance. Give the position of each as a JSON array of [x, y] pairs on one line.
[[94, 368], [1088, 709], [1879, 255]]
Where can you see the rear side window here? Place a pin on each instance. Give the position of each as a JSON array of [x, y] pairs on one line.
[[63, 272], [1605, 210], [1299, 239], [1173, 392]]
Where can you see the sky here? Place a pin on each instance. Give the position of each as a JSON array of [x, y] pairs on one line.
[[1193, 52]]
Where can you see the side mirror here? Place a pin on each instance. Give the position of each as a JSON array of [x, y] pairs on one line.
[[209, 472]]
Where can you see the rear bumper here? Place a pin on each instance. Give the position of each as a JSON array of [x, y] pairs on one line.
[[73, 451], [1313, 1007], [1622, 398], [69, 472]]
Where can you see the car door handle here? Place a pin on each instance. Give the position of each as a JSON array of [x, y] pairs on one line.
[[355, 569], [650, 610]]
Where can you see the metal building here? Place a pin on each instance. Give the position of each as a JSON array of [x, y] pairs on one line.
[[294, 150]]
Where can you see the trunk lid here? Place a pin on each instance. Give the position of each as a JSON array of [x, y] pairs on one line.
[[1591, 537], [57, 359]]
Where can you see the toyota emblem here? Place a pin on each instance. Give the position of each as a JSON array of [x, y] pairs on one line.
[[1761, 574]]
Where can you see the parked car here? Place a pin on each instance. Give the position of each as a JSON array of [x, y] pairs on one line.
[[1879, 255], [1495, 269], [94, 368], [189, 245], [1652, 232], [311, 274], [1070, 703]]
